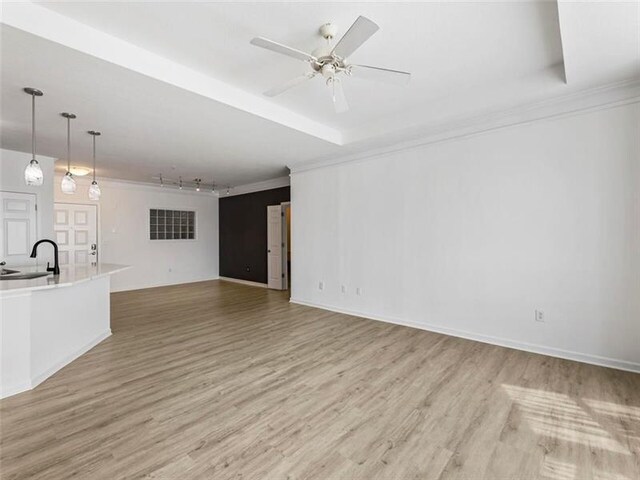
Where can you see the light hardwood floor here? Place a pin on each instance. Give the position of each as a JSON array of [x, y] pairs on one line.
[[217, 380]]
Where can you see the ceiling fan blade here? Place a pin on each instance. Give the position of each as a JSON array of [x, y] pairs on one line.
[[357, 34], [283, 49], [290, 84], [386, 75], [339, 100]]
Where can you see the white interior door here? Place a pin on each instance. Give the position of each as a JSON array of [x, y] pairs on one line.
[[274, 247], [76, 233], [17, 227]]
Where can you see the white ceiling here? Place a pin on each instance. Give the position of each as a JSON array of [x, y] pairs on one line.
[[178, 83], [147, 125]]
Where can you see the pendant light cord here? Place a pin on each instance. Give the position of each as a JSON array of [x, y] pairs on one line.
[[68, 144], [94, 158], [33, 126]]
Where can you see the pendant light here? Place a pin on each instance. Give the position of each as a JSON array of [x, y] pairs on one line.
[[197, 180], [68, 184], [180, 183], [33, 173], [94, 189]]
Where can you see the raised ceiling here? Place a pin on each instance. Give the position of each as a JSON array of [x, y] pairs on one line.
[[178, 84]]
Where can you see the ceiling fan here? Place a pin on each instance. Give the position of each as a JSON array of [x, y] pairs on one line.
[[331, 61]]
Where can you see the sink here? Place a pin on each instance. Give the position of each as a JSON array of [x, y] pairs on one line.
[[6, 271], [23, 276]]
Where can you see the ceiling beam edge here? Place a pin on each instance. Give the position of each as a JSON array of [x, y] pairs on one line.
[[57, 28]]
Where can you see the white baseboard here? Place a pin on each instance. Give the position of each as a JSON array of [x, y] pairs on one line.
[[15, 389], [167, 284], [41, 377], [244, 282], [499, 341]]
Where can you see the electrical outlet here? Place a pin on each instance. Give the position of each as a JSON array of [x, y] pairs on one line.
[[539, 316], [321, 285], [343, 289]]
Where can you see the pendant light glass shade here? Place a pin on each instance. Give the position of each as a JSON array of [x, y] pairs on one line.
[[68, 184], [33, 175], [94, 189]]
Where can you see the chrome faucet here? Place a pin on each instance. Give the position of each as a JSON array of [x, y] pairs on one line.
[[56, 266]]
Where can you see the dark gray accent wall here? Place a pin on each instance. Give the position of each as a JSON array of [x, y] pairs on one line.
[[243, 233]]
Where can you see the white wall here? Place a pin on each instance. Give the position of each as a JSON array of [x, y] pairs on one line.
[[12, 166], [123, 235], [470, 237]]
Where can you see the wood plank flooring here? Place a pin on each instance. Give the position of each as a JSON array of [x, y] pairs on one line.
[[217, 380]]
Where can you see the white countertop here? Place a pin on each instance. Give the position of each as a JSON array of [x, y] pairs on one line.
[[69, 275]]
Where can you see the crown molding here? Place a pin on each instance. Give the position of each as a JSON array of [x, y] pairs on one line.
[[589, 100], [258, 186]]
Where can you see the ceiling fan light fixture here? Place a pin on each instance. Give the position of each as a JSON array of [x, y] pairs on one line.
[[328, 70], [331, 60]]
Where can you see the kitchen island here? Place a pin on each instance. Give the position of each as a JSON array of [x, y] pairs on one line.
[[49, 321]]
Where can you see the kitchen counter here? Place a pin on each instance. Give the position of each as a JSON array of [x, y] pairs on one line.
[[47, 322], [69, 276]]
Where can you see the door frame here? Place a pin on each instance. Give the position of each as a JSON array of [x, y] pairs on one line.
[[285, 241], [97, 210]]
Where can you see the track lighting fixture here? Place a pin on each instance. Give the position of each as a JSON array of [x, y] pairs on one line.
[[196, 184]]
